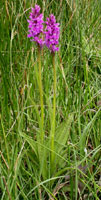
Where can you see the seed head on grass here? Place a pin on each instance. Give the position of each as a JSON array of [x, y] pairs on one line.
[[36, 26], [52, 33]]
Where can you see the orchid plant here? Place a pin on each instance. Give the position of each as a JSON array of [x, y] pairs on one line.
[[45, 33]]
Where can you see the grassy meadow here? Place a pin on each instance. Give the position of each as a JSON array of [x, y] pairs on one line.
[[50, 149]]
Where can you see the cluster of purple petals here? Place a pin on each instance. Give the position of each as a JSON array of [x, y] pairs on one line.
[[36, 26], [52, 33], [36, 32]]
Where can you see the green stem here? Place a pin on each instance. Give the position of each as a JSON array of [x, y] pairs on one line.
[[54, 111], [41, 95]]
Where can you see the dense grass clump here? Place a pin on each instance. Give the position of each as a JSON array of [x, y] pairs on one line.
[[32, 167]]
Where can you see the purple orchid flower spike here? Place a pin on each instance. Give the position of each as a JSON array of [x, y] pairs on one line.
[[36, 26], [52, 33]]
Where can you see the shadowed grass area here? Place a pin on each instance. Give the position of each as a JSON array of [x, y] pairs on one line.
[[26, 169]]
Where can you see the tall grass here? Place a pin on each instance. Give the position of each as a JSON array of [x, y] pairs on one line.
[[50, 150]]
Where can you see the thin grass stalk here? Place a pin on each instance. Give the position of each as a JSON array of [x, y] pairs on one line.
[[6, 147], [41, 95], [54, 111], [25, 77], [79, 75]]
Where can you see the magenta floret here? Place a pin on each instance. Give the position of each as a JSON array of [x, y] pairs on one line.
[[36, 26], [52, 33]]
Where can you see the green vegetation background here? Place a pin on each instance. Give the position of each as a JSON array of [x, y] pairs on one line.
[[76, 172]]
